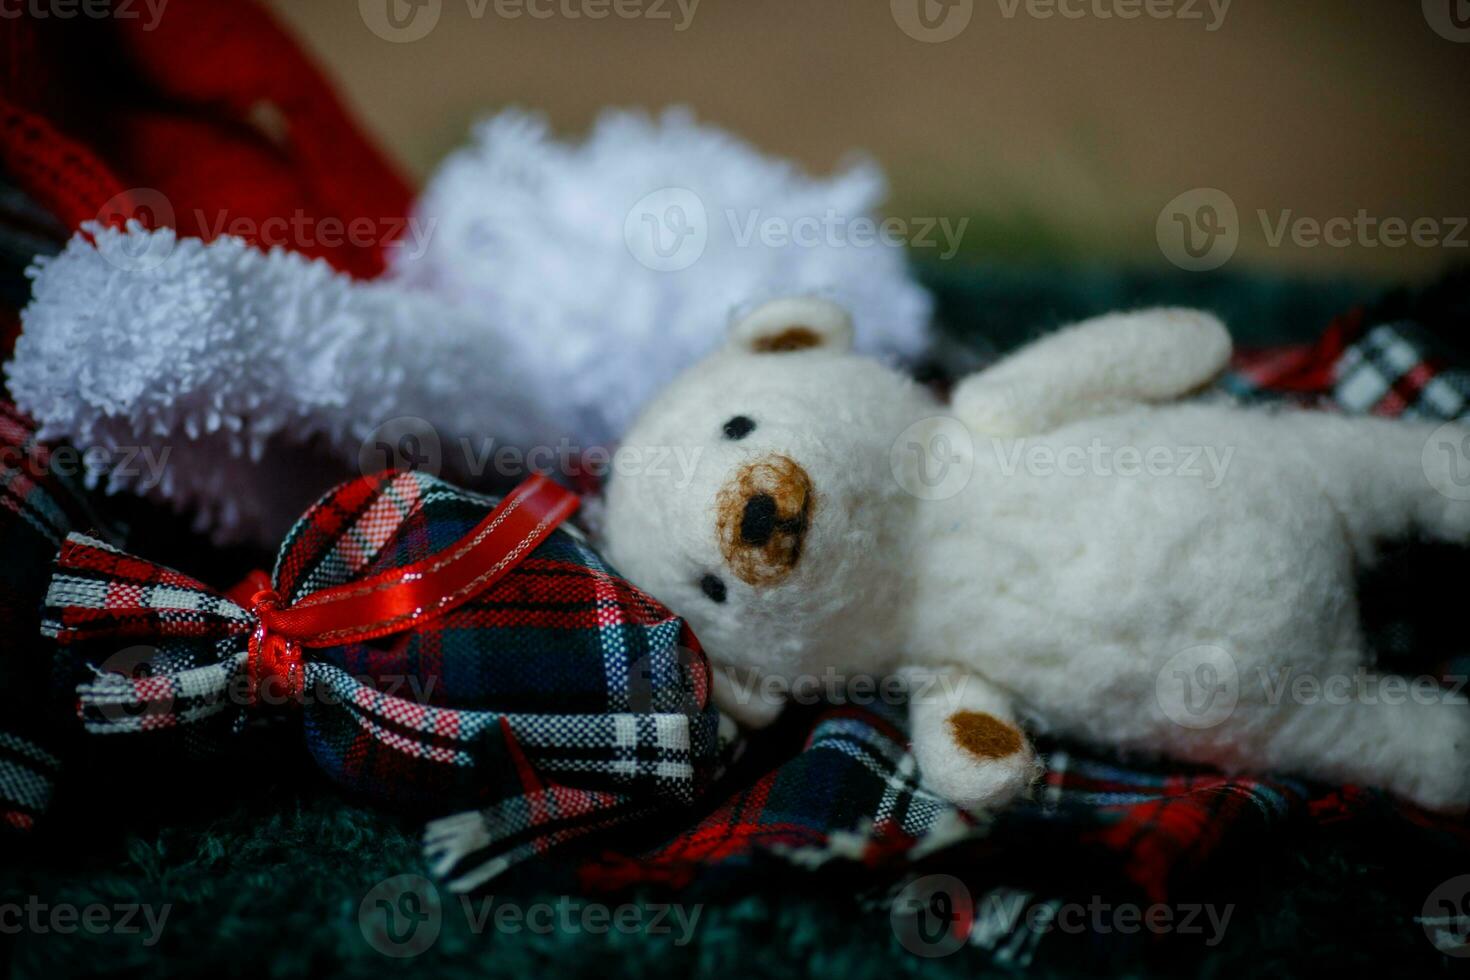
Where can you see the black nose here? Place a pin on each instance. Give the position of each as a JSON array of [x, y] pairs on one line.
[[761, 520], [758, 522]]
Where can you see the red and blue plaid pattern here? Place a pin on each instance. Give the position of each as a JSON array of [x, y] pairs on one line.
[[38, 507], [558, 700]]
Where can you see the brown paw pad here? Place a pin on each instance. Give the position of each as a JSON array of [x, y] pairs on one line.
[[790, 339], [984, 736]]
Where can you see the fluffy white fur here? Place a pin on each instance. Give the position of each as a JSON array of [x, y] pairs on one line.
[[1057, 598], [513, 310], [529, 232], [220, 355]]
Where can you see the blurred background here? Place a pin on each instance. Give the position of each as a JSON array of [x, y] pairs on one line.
[[1062, 129]]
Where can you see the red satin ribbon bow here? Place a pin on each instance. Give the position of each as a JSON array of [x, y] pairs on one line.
[[401, 598]]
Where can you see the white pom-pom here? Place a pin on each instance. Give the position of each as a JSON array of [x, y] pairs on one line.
[[553, 243]]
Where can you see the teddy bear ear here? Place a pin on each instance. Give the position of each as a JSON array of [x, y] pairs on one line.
[[792, 324]]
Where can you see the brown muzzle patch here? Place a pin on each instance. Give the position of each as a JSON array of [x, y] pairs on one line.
[[984, 736], [764, 513]]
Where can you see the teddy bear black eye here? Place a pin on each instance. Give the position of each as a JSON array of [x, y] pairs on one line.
[[739, 427], [713, 587]]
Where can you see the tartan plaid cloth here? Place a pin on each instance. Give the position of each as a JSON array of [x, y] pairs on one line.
[[39, 505], [560, 699], [839, 784]]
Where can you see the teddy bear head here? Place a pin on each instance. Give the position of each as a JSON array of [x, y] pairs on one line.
[[755, 498]]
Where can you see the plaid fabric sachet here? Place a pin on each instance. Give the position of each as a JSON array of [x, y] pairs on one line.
[[559, 699]]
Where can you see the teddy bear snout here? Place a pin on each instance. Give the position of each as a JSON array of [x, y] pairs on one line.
[[765, 511]]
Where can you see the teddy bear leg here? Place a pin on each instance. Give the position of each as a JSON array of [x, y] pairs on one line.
[[1391, 479], [969, 748], [1407, 736]]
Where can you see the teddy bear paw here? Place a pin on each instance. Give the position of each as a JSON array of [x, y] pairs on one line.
[[981, 762]]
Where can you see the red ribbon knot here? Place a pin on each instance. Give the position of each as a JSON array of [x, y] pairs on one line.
[[272, 657], [399, 598]]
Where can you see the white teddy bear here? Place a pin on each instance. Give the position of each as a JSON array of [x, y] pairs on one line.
[[1066, 544]]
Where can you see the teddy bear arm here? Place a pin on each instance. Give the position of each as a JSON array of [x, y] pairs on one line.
[[966, 740], [1094, 368]]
